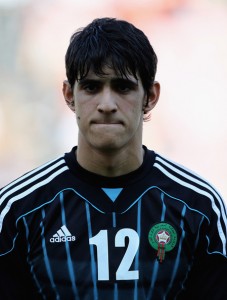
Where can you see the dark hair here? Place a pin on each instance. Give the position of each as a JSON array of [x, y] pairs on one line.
[[111, 42]]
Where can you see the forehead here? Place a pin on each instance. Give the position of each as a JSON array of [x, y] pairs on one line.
[[109, 73]]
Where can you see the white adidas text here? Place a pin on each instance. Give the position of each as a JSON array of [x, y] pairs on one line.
[[62, 235], [62, 239]]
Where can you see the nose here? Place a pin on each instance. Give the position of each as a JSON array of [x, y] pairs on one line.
[[107, 102]]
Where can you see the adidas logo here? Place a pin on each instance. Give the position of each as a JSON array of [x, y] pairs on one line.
[[62, 235]]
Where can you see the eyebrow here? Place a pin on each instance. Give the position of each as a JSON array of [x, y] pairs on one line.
[[125, 80], [114, 80], [87, 80]]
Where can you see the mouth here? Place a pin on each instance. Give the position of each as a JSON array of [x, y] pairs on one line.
[[103, 122], [107, 126]]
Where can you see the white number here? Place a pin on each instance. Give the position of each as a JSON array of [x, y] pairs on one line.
[[123, 272], [101, 242]]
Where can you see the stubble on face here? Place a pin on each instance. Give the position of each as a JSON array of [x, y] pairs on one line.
[[109, 111]]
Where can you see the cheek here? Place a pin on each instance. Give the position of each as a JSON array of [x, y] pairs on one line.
[[77, 112], [135, 118], [136, 110], [83, 113]]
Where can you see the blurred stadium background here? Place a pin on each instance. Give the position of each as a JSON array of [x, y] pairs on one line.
[[189, 125]]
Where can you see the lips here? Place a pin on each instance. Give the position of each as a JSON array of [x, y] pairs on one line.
[[107, 122]]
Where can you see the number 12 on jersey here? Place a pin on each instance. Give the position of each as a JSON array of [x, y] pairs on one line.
[[123, 272]]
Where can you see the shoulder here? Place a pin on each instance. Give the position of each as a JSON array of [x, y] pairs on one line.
[[33, 180], [183, 176], [28, 193], [182, 183], [195, 192]]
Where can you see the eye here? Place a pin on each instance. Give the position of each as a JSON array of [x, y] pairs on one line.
[[124, 87], [91, 87]]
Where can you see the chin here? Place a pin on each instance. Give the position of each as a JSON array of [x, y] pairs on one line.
[[106, 147]]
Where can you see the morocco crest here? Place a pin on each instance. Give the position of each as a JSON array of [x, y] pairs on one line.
[[163, 238]]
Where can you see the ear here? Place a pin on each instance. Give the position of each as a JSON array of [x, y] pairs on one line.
[[153, 97], [68, 95]]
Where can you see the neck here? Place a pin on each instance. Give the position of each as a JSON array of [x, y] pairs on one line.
[[110, 164]]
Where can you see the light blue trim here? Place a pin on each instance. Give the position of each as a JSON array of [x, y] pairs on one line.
[[155, 187], [70, 189], [177, 261], [214, 252], [114, 219], [93, 265], [198, 234], [115, 284], [137, 254], [14, 241], [163, 208], [112, 193], [30, 263], [69, 259], [156, 264], [115, 291], [48, 202], [46, 258], [153, 279], [41, 206], [190, 265]]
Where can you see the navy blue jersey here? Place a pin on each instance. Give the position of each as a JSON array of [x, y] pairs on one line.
[[156, 233]]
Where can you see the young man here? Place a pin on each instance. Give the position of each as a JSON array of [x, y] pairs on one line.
[[111, 219]]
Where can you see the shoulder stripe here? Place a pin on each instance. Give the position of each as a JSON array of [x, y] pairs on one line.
[[30, 189], [19, 186], [196, 179], [222, 232], [30, 173], [187, 174]]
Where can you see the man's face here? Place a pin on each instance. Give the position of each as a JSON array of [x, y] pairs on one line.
[[109, 111]]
